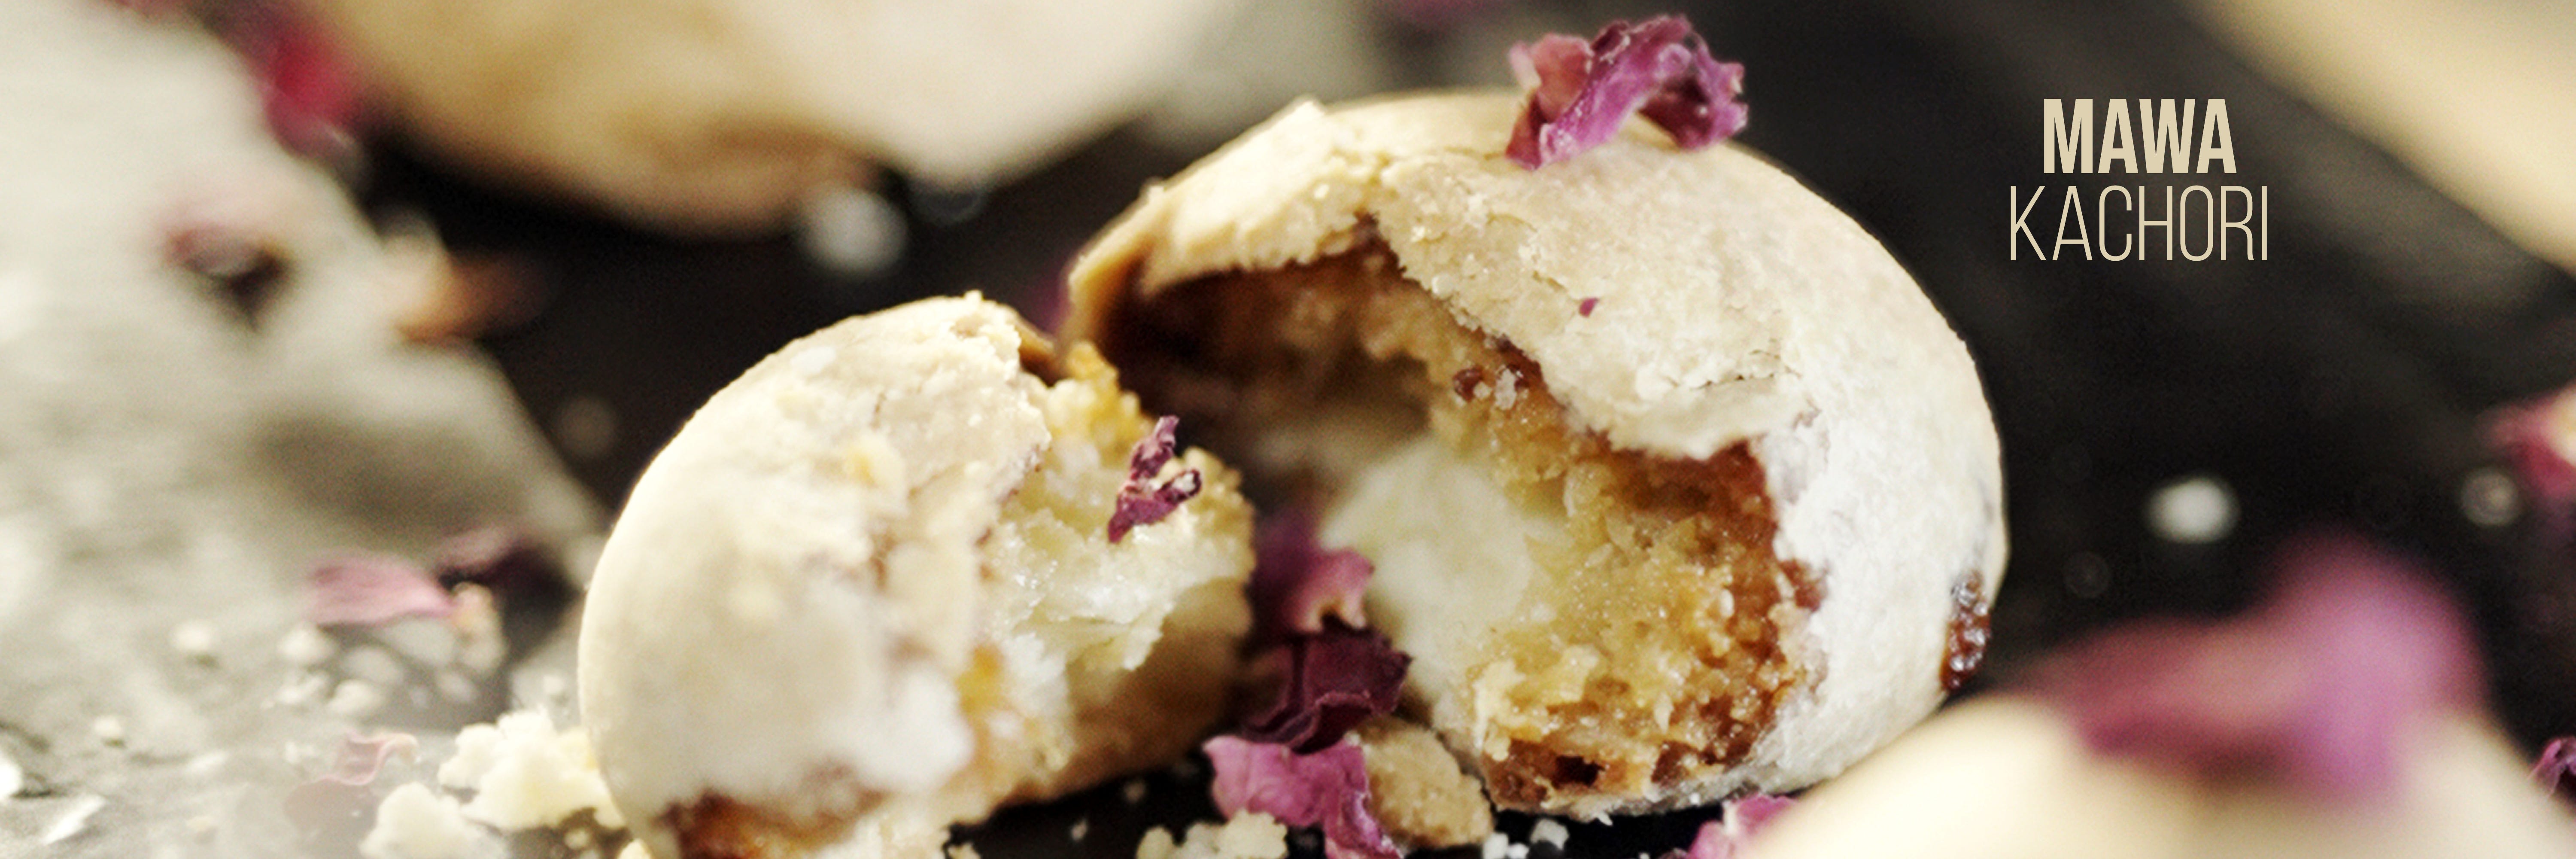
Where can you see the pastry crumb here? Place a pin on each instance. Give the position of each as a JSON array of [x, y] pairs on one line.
[[1252, 835], [1550, 832], [1417, 790], [415, 822], [527, 774]]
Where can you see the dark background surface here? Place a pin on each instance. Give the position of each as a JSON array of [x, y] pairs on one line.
[[2341, 381]]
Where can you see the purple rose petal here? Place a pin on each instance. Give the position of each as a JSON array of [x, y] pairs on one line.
[[1580, 93], [1140, 500], [2556, 768], [1331, 682]]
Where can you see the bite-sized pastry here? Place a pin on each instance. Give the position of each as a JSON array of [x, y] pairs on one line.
[[2338, 716], [730, 114], [1676, 484], [908, 568], [2007, 777]]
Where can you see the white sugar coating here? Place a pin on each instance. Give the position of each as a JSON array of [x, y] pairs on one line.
[[1548, 831], [415, 822], [527, 774], [305, 646]]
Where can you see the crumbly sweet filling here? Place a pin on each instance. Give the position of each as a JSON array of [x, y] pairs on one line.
[[1645, 649]]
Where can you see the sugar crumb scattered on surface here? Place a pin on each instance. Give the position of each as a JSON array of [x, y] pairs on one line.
[[355, 699], [1495, 846], [1133, 791], [303, 688], [306, 646], [1157, 844], [194, 639], [1081, 829], [108, 729], [1247, 836], [1548, 831], [415, 822], [526, 774], [12, 778]]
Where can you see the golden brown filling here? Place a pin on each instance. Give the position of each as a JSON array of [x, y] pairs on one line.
[[1657, 659], [719, 827]]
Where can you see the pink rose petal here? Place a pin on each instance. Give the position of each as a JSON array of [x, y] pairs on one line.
[[2317, 685], [1743, 818], [367, 590], [1327, 788], [1297, 583]]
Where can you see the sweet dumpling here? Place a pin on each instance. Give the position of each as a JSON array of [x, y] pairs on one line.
[[1676, 484], [909, 568]]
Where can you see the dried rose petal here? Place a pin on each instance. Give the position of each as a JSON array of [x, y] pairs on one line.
[[2317, 684], [1581, 93], [1586, 306], [2538, 442], [1331, 681], [504, 559], [310, 90], [1296, 583], [339, 800], [1744, 818], [2556, 769], [1140, 500], [1328, 788], [366, 590]]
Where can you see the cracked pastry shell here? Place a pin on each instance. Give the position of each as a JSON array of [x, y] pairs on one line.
[[1677, 484], [866, 592]]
